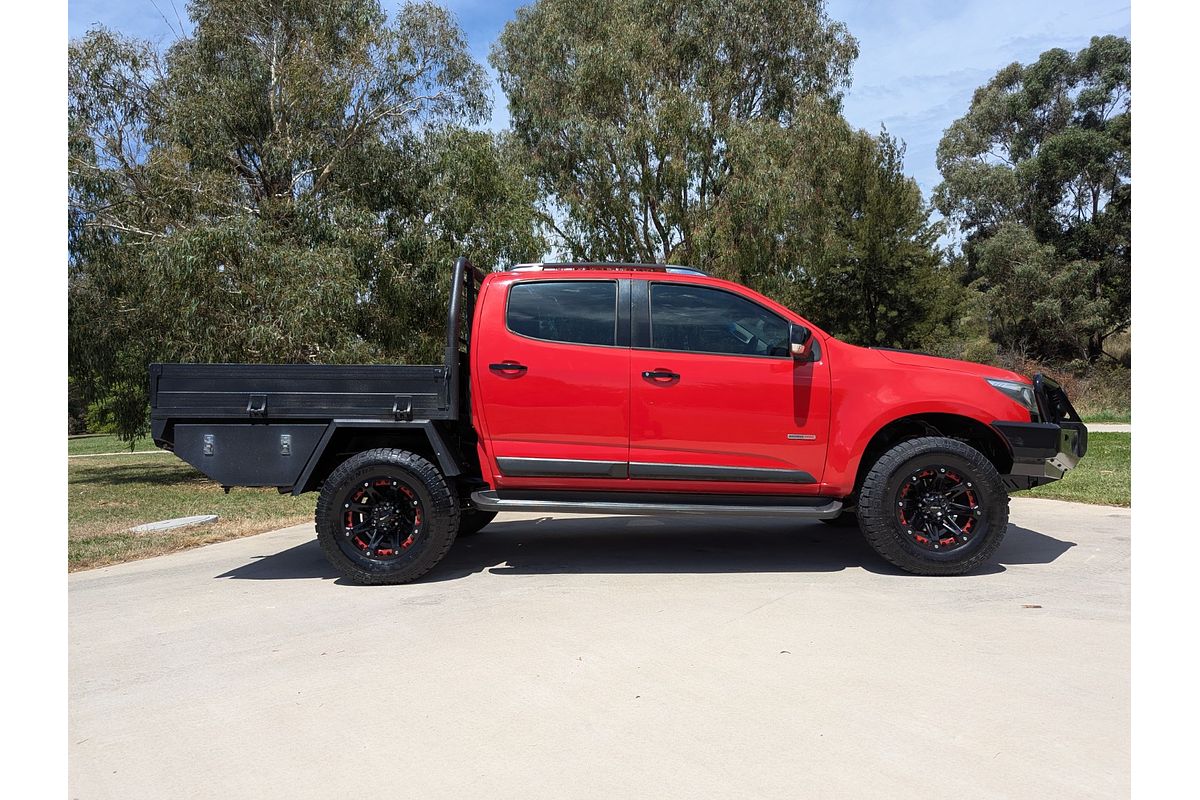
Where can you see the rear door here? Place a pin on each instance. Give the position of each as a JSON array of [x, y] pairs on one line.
[[551, 372], [717, 402]]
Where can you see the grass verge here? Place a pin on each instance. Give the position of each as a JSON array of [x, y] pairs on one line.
[[1115, 415], [1102, 476], [108, 496], [105, 443]]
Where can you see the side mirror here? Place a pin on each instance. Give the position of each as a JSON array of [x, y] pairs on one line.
[[800, 341]]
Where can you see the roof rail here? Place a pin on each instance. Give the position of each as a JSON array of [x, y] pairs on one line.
[[616, 265]]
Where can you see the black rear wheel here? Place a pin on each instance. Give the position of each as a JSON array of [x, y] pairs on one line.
[[934, 506], [386, 517]]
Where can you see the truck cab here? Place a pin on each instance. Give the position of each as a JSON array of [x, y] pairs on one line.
[[632, 389]]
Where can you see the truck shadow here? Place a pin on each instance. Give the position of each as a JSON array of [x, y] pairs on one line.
[[626, 545]]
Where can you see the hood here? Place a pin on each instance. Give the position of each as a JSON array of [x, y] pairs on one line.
[[908, 358]]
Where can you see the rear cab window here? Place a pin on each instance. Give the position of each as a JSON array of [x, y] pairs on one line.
[[573, 312]]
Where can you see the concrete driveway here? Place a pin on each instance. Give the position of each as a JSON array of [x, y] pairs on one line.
[[611, 658]]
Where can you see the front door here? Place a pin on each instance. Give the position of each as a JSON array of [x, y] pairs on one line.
[[717, 402], [553, 381]]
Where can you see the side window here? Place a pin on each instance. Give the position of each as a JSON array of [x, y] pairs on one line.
[[581, 312], [703, 320]]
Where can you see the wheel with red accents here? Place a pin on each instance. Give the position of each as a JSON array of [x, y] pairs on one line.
[[386, 517], [934, 506]]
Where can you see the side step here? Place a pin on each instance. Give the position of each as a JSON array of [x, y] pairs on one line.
[[558, 502]]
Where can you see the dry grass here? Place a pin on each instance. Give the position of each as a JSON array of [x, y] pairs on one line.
[[108, 496], [1100, 392]]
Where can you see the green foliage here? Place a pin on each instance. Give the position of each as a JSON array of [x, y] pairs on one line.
[[711, 135], [1036, 175], [825, 221], [1035, 301], [100, 416], [878, 281], [76, 409], [287, 184], [291, 182], [630, 110]]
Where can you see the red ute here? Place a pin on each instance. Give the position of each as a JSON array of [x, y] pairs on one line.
[[636, 389]]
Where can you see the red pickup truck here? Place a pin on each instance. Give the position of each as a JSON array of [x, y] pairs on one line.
[[627, 389]]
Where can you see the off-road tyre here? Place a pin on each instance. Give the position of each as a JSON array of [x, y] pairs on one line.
[[421, 491], [883, 500], [474, 520]]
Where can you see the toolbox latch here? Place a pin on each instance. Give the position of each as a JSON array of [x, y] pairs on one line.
[[257, 407]]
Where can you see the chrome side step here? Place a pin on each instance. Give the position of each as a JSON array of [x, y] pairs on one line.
[[491, 500]]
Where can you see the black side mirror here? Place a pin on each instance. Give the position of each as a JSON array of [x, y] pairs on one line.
[[800, 340]]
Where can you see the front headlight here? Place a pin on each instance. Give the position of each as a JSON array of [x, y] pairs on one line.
[[1021, 392]]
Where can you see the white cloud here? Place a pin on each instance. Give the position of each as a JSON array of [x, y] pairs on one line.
[[921, 61]]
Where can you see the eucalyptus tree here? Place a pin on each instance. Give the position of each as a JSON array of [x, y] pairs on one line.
[[630, 109], [709, 132], [286, 183], [1037, 177]]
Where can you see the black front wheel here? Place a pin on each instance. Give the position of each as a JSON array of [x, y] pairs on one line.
[[934, 506], [386, 517]]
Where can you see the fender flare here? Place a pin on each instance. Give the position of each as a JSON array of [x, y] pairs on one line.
[[857, 449], [447, 460]]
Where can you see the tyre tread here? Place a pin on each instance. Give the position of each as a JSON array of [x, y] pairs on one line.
[[876, 519], [445, 509]]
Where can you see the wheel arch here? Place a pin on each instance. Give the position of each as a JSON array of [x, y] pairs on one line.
[[952, 426], [346, 438]]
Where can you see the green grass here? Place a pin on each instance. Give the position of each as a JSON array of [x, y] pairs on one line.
[[1102, 476], [107, 496], [1107, 415], [104, 443]]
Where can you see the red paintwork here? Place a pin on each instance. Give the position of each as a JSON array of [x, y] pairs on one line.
[[728, 411], [591, 402]]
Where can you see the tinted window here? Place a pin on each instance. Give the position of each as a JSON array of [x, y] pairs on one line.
[[697, 319], [584, 312]]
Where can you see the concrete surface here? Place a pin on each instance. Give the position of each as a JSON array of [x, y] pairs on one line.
[[1109, 427], [178, 522], [611, 658]]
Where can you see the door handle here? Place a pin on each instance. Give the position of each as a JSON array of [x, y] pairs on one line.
[[508, 367], [660, 374]]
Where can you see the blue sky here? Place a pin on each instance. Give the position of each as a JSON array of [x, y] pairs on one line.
[[920, 60]]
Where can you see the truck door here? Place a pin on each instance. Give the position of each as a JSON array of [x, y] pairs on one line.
[[550, 371], [717, 402]]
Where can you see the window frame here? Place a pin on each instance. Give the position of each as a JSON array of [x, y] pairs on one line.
[[650, 321], [617, 295]]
